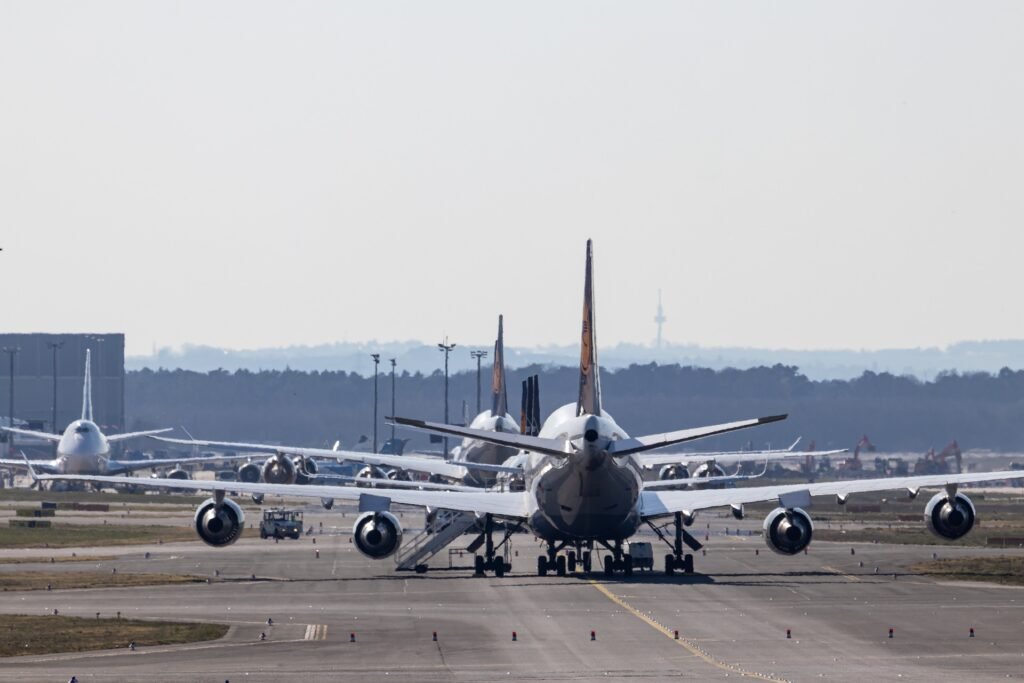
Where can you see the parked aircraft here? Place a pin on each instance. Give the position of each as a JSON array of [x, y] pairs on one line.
[[584, 489]]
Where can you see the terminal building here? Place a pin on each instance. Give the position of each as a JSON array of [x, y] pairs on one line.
[[35, 375]]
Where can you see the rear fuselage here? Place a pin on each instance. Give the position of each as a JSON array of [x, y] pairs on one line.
[[587, 495], [474, 450]]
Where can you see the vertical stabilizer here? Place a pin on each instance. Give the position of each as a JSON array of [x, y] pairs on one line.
[[499, 405], [589, 402], [87, 388]]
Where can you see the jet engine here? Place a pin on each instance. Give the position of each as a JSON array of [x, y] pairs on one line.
[[709, 469], [399, 475], [219, 525], [949, 519], [279, 469], [377, 534], [249, 473], [305, 470], [673, 472], [178, 473], [787, 532], [370, 472]]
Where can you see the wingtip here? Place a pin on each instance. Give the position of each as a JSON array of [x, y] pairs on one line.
[[772, 418], [31, 470]]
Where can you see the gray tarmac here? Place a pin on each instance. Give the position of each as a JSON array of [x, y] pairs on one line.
[[731, 617]]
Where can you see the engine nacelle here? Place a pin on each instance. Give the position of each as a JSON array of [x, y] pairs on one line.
[[399, 475], [328, 503], [709, 469], [279, 470], [249, 473], [370, 472], [377, 534], [178, 473], [788, 532], [305, 470], [673, 472], [949, 519], [219, 526]]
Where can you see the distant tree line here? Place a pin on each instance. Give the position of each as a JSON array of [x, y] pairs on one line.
[[899, 413]]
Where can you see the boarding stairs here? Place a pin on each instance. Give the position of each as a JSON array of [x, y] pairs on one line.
[[446, 526]]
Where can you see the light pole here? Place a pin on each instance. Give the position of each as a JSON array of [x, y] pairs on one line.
[[392, 401], [54, 346], [478, 355], [11, 351], [376, 362], [447, 349]]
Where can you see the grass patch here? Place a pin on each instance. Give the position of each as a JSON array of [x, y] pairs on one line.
[[902, 535], [37, 581], [73, 535], [57, 559], [1000, 569], [29, 635], [31, 495]]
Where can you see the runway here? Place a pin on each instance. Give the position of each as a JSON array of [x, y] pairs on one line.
[[731, 617]]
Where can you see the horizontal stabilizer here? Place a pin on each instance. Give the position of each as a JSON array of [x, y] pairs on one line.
[[536, 444], [650, 442]]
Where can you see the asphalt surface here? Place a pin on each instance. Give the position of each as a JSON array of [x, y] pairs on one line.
[[731, 617]]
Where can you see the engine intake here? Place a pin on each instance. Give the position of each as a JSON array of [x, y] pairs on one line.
[[949, 519], [305, 470], [788, 532], [249, 473], [709, 469], [178, 473], [377, 534], [219, 526], [673, 472], [279, 470]]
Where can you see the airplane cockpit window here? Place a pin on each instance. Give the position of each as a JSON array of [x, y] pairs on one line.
[[82, 429]]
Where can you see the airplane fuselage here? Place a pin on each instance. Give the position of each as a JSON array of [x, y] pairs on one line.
[[474, 450], [82, 449], [588, 494]]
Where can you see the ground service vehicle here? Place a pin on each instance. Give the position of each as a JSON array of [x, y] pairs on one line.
[[278, 523]]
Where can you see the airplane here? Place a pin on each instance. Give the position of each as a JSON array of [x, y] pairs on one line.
[[84, 449], [584, 488]]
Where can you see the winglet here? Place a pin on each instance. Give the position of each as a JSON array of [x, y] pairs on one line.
[[31, 470], [793, 445], [589, 402], [500, 396]]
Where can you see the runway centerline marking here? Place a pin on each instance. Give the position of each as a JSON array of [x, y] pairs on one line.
[[690, 646], [839, 572]]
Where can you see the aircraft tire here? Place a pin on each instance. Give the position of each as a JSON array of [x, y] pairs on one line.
[[542, 565], [478, 564], [670, 565], [688, 564], [627, 564], [609, 565], [586, 561], [560, 565]]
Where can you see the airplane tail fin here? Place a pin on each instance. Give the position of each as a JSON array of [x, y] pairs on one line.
[[500, 396], [589, 402], [87, 388]]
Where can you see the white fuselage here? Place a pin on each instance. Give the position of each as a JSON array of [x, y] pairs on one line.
[[589, 494], [82, 449], [473, 450]]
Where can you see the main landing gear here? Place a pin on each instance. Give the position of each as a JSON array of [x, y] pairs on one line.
[[577, 558], [492, 560], [677, 560]]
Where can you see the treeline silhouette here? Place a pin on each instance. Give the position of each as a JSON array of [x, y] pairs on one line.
[[980, 410]]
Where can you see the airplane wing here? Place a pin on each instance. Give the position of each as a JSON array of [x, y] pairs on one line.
[[702, 481], [125, 466], [28, 432], [503, 504], [656, 503], [47, 466], [444, 468], [114, 438], [724, 458]]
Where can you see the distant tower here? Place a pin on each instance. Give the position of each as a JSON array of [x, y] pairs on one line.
[[659, 319]]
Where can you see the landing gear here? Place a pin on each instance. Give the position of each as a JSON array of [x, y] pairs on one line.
[[560, 565], [677, 561], [627, 565], [609, 565], [492, 559], [586, 561], [571, 562], [542, 565]]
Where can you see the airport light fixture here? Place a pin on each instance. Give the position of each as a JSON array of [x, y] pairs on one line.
[[376, 364], [479, 354], [392, 400], [11, 352], [447, 349]]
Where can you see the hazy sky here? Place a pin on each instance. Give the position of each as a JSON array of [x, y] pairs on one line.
[[797, 174]]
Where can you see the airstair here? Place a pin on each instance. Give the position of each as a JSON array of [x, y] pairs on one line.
[[446, 526]]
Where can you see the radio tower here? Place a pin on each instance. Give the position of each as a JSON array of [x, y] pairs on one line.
[[659, 319]]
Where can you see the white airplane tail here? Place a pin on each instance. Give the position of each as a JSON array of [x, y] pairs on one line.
[[500, 403], [87, 389], [589, 402]]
